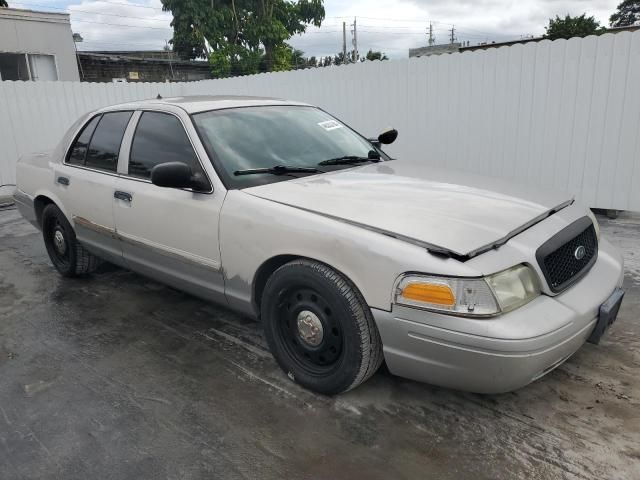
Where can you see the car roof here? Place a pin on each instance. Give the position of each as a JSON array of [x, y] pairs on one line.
[[202, 103]]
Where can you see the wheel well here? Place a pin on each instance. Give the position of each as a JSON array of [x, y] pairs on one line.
[[263, 274], [267, 268], [39, 203]]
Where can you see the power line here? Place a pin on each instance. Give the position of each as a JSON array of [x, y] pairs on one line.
[[67, 10], [90, 44], [123, 25], [391, 33], [423, 22], [389, 27], [136, 5], [465, 32], [387, 19], [326, 31], [158, 28], [389, 30]]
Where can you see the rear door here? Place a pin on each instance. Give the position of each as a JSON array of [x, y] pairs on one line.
[[169, 234], [86, 182]]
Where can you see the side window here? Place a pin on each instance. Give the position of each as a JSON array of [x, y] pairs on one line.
[[105, 143], [160, 138], [79, 149]]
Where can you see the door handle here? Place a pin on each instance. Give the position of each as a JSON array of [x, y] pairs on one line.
[[63, 181], [123, 196]]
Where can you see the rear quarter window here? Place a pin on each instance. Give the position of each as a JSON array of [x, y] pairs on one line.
[[78, 152]]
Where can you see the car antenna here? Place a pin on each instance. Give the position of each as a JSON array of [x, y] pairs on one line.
[[159, 97]]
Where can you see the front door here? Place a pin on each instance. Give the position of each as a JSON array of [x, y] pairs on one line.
[[166, 233]]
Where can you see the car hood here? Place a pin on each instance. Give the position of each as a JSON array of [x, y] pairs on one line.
[[448, 212]]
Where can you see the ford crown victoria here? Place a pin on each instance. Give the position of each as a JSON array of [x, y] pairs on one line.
[[278, 210]]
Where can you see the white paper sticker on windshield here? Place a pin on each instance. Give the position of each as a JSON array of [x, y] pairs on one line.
[[330, 125]]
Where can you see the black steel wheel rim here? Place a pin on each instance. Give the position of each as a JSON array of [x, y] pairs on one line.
[[54, 226], [319, 359]]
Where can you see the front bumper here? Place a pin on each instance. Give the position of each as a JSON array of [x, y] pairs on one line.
[[504, 353]]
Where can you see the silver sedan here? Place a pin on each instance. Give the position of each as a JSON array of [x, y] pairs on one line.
[[281, 211]]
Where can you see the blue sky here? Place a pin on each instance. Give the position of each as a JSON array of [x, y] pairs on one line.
[[390, 26]]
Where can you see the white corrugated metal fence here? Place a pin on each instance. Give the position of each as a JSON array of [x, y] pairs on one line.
[[562, 114]]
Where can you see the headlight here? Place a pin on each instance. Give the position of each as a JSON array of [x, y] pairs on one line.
[[514, 287], [481, 297], [596, 225]]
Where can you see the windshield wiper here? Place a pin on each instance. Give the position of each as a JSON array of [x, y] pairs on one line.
[[352, 159], [277, 170]]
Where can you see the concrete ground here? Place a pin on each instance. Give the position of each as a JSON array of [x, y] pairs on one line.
[[118, 377]]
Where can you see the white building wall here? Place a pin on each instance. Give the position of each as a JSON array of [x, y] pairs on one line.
[[25, 31], [562, 115]]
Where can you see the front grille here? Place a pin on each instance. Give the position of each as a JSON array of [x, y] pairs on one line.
[[560, 258]]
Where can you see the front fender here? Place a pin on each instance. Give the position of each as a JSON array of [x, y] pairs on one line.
[[254, 230]]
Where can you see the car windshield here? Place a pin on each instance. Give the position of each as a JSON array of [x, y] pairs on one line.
[[243, 139]]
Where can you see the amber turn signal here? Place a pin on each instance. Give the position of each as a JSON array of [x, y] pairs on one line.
[[433, 293]]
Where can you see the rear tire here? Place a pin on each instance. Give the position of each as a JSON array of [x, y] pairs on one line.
[[319, 328], [67, 255]]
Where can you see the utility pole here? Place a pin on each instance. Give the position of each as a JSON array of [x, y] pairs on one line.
[[168, 50], [77, 38], [453, 34], [356, 56], [432, 39], [344, 42]]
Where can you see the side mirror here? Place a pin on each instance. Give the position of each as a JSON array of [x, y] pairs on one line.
[[388, 137], [178, 175]]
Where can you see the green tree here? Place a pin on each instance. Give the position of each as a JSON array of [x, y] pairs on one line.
[[189, 23], [371, 55], [244, 36], [628, 13], [569, 27], [339, 59], [297, 59], [233, 60], [3, 3]]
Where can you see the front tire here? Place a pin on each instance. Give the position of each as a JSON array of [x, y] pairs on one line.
[[319, 328], [69, 257]]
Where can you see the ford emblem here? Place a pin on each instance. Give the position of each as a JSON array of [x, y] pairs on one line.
[[580, 252]]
